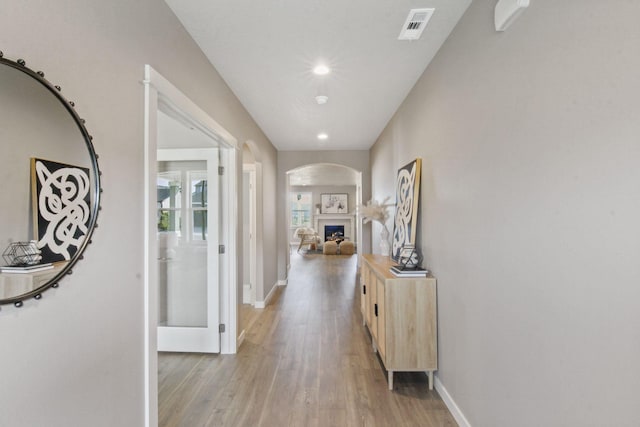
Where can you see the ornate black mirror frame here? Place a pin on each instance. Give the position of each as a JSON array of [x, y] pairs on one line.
[[95, 189]]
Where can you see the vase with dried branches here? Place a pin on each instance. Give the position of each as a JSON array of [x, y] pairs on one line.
[[379, 212]]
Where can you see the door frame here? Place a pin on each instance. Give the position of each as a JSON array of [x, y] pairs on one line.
[[159, 93], [250, 169]]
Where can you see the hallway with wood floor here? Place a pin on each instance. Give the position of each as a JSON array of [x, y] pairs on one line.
[[306, 360]]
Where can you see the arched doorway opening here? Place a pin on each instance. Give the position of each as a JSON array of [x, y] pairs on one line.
[[324, 197]]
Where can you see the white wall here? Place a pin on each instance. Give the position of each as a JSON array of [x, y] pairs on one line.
[[530, 211], [75, 358]]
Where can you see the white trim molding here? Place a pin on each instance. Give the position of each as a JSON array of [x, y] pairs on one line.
[[246, 293], [451, 404], [240, 339], [263, 304]]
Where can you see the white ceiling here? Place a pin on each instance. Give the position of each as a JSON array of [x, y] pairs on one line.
[[265, 51]]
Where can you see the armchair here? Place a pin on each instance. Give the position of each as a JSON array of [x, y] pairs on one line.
[[307, 236]]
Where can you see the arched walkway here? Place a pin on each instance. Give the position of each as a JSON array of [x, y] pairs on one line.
[[323, 196]]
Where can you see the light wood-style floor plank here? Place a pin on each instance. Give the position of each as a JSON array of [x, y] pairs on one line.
[[306, 360]]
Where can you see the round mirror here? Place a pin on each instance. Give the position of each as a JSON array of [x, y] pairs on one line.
[[49, 184]]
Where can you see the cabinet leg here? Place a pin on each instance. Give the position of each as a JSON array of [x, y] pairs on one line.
[[373, 343], [390, 376], [430, 376]]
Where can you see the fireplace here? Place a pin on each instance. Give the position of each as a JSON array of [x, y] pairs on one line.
[[333, 231], [347, 221]]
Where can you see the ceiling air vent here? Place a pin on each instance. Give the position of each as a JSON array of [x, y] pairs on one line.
[[415, 24]]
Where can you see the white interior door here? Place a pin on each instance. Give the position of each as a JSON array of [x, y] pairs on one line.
[[188, 239]]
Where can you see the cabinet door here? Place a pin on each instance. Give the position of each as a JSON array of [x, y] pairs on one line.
[[365, 276], [411, 327], [381, 319], [373, 308], [363, 295]]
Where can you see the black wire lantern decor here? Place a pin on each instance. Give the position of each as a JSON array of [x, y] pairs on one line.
[[409, 257]]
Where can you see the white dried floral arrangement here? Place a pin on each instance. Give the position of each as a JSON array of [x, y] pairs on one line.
[[375, 211]]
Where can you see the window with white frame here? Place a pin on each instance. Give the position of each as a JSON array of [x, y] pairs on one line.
[[301, 209], [179, 212]]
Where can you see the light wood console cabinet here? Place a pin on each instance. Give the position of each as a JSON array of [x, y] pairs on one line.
[[401, 316]]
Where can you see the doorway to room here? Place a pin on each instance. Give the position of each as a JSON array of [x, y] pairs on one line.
[[252, 274], [215, 182], [321, 196], [249, 216]]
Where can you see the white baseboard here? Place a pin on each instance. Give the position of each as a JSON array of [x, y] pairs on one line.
[[451, 404], [246, 294], [263, 304], [240, 339]]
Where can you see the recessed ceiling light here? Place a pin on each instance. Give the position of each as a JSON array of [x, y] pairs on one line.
[[322, 99], [322, 136], [321, 70]]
